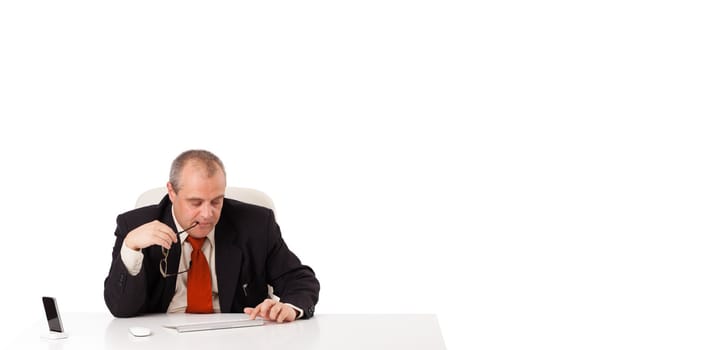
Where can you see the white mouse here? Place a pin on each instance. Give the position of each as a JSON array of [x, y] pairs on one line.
[[139, 331]]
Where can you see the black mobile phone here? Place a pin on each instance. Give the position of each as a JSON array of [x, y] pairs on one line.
[[53, 315]]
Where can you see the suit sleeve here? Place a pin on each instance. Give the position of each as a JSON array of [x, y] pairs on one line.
[[292, 281], [125, 294]]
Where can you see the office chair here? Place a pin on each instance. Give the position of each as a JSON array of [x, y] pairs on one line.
[[247, 195]]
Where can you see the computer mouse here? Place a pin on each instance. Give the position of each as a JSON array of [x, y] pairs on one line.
[[140, 331]]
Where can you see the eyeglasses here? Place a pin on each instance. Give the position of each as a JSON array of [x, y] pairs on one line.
[[165, 252]]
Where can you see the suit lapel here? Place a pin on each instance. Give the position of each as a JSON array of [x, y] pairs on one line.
[[228, 262]]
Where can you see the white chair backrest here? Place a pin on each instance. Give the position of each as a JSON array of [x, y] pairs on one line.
[[247, 195]]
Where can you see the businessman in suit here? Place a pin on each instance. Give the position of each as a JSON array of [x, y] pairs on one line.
[[199, 252]]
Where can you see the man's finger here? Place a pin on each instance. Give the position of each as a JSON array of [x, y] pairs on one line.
[[260, 309], [168, 233], [275, 311], [285, 315], [265, 307], [163, 240], [252, 312], [255, 312]]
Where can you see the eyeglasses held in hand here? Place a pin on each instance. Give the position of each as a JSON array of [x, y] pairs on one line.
[[165, 252]]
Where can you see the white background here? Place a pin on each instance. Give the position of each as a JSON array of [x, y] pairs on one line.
[[537, 174]]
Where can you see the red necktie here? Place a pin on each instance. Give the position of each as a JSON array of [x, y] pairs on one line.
[[199, 282]]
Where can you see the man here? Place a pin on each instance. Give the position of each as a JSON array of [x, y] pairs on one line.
[[228, 256]]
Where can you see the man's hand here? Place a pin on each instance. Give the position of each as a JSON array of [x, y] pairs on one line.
[[154, 232], [273, 311]]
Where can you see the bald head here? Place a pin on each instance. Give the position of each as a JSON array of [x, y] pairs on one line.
[[199, 160]]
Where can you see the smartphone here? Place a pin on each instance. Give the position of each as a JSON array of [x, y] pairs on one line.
[[53, 315]]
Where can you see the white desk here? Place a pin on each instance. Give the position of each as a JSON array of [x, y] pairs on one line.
[[102, 331]]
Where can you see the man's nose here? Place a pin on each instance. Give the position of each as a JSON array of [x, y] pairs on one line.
[[206, 211]]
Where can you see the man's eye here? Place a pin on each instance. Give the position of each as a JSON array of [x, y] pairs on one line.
[[195, 203]]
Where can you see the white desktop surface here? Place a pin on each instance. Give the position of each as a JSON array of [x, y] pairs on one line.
[[358, 331]]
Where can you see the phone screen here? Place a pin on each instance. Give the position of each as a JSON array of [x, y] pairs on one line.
[[53, 317]]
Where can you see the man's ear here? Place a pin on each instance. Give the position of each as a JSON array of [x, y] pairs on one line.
[[171, 192]]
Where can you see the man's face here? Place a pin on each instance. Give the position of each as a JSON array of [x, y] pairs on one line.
[[200, 198]]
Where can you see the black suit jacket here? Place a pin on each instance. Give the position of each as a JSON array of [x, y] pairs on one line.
[[249, 251]]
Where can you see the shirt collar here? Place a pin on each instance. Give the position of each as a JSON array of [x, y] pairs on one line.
[[183, 236]]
